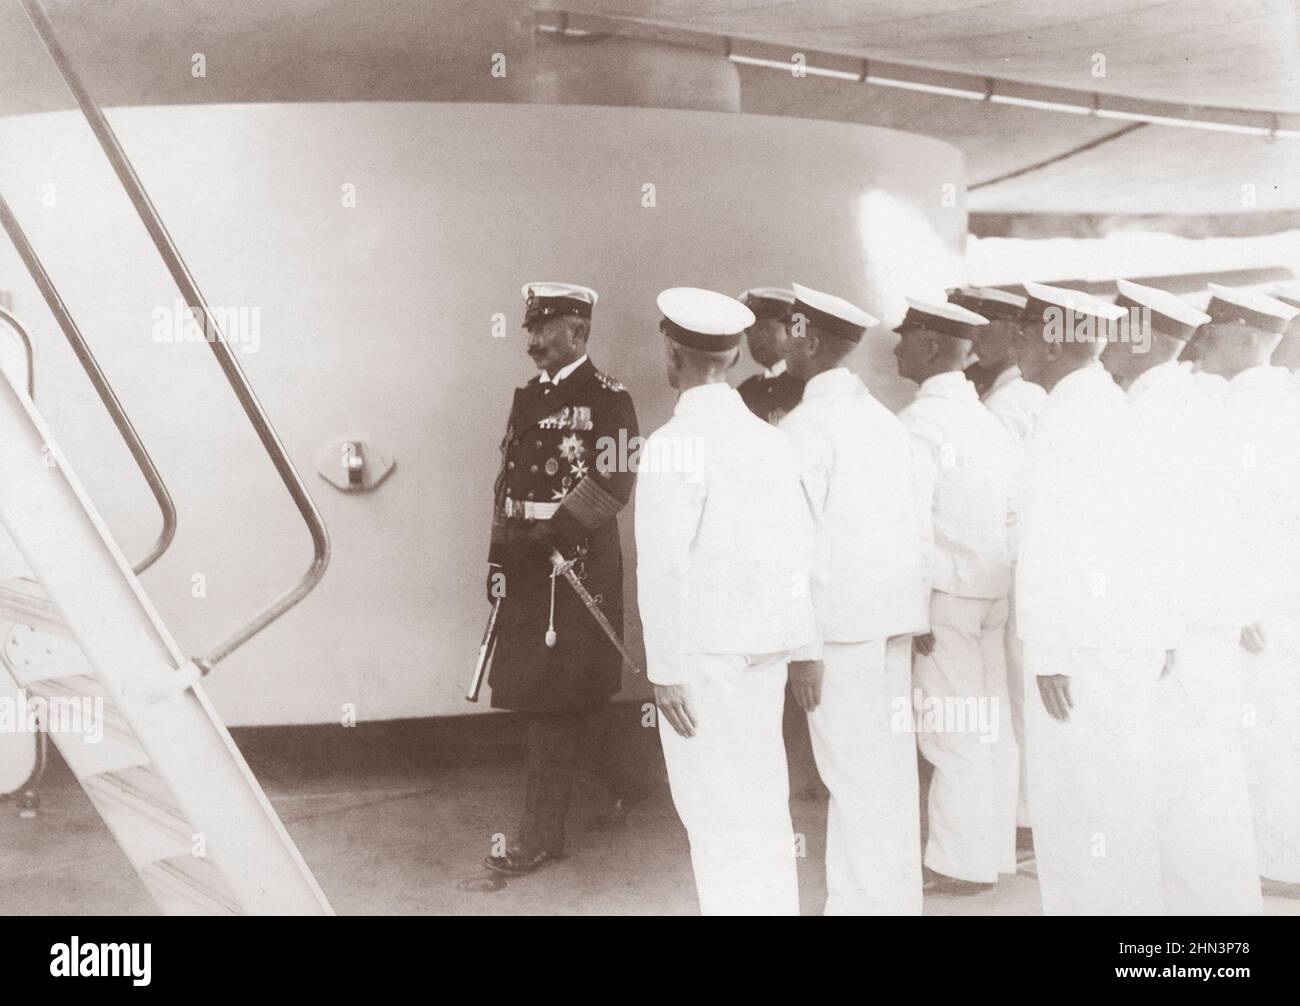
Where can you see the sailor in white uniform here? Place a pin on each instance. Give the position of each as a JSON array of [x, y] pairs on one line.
[[1264, 420], [1016, 403], [870, 597], [1095, 641], [723, 539], [1207, 841], [966, 461]]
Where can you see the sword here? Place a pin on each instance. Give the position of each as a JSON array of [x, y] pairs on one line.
[[485, 651], [564, 568]]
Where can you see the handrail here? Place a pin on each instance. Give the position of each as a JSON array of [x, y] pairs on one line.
[[10, 319], [216, 340], [105, 390]]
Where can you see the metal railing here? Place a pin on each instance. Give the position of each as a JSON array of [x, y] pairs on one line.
[[10, 319], [72, 333], [198, 305]]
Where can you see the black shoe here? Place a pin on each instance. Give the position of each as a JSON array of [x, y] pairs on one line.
[[518, 862], [940, 883]]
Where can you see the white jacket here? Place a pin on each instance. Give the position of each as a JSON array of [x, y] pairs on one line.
[[1015, 402], [1264, 425], [872, 528], [1089, 572], [1185, 462], [723, 537], [967, 464]]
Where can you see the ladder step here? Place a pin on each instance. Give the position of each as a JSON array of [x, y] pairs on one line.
[[35, 654], [188, 885], [144, 793], [24, 601], [117, 750]]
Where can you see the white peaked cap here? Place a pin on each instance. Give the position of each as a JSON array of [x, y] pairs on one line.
[[949, 312], [833, 314], [1075, 301], [767, 293], [1253, 300], [703, 319], [946, 318], [1291, 291], [1234, 306], [994, 294], [1162, 302], [570, 290]]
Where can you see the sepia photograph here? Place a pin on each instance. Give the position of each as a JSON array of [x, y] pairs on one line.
[[623, 458]]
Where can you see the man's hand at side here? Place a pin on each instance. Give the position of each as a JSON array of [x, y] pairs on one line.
[[1054, 689], [674, 701], [806, 683], [1252, 638]]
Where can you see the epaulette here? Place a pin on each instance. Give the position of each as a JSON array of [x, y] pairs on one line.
[[609, 382]]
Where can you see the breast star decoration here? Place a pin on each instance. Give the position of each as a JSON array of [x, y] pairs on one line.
[[571, 448]]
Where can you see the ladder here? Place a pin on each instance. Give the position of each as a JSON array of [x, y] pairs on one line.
[[166, 776], [80, 633]]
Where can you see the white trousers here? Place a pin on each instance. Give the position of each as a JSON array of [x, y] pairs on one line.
[[1093, 782], [1271, 736], [866, 753], [731, 788], [964, 730], [1207, 840]]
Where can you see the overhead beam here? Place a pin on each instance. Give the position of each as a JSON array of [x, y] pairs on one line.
[[801, 62]]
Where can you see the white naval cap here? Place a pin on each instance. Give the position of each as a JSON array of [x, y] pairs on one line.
[[1169, 312], [1230, 305], [1289, 293], [832, 314], [546, 300], [989, 301], [1043, 298], [703, 319], [946, 319], [768, 301]]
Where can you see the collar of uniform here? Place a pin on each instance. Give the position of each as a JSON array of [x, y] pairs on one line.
[[1161, 373], [1263, 378], [563, 372], [706, 398], [1004, 378], [950, 384], [1093, 373], [836, 381], [774, 371]]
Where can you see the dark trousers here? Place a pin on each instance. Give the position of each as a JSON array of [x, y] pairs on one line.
[[556, 743]]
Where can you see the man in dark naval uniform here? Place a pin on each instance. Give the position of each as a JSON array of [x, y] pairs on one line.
[[564, 477], [773, 393], [770, 395]]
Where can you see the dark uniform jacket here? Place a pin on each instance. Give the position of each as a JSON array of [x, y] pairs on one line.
[[770, 398], [981, 376], [565, 447]]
